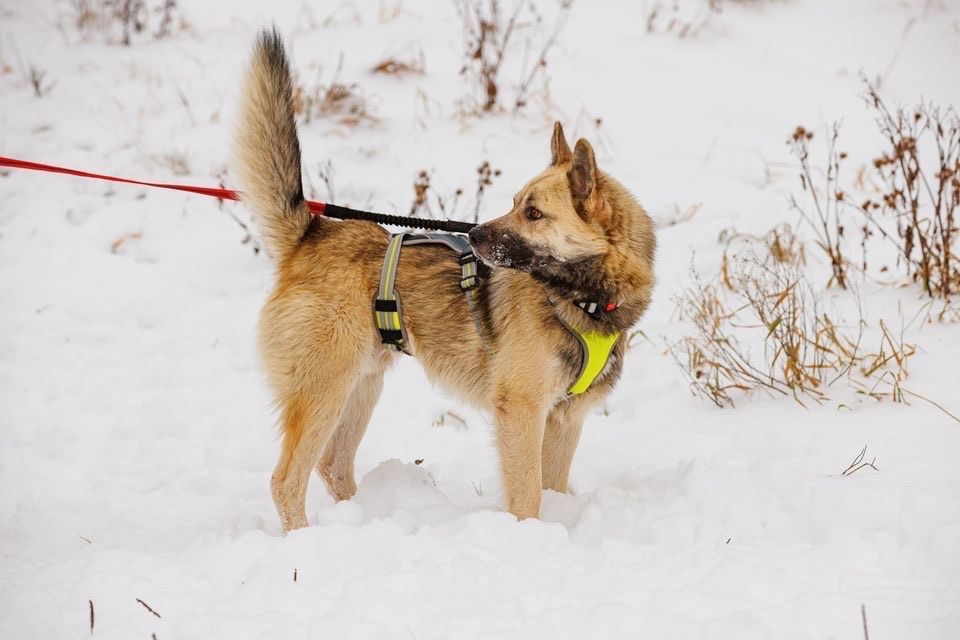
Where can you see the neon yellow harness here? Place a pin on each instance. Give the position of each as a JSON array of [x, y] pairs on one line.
[[596, 347]]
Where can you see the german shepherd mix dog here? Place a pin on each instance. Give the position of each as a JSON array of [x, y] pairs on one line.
[[573, 233]]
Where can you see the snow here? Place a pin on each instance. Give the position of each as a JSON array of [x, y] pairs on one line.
[[136, 437]]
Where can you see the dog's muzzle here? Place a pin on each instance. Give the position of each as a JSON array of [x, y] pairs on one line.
[[501, 248]]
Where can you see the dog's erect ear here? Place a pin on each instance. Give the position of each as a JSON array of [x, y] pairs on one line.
[[558, 145], [583, 173]]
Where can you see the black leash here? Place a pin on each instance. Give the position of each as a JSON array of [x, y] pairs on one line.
[[346, 213]]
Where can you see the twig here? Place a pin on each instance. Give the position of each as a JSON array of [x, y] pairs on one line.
[[148, 607], [91, 616], [858, 463], [186, 106], [938, 406], [442, 420], [896, 54], [521, 100], [249, 239], [863, 616]]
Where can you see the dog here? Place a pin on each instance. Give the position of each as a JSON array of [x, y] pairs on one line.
[[573, 233]]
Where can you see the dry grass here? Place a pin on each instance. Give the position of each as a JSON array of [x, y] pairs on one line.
[[126, 21], [396, 66], [485, 176], [684, 18], [780, 245], [490, 36], [681, 216], [909, 196], [680, 19], [803, 348], [175, 162], [429, 202], [343, 103], [38, 81]]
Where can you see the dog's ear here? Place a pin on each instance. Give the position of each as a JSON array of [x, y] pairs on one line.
[[558, 145], [583, 172]]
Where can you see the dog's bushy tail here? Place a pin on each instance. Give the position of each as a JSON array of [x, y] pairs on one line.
[[267, 151]]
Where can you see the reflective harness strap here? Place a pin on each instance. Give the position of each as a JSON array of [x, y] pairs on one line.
[[387, 304]]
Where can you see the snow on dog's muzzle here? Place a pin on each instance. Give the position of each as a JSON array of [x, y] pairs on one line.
[[502, 248]]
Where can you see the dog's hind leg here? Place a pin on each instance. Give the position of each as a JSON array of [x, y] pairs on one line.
[[309, 419], [560, 440], [336, 463]]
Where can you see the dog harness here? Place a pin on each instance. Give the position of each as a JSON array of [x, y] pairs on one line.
[[386, 306], [595, 346]]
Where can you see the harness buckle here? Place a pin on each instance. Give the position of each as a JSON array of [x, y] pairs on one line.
[[469, 283], [468, 271]]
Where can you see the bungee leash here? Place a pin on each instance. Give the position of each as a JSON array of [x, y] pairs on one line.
[[316, 208]]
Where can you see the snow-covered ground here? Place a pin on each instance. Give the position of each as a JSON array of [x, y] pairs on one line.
[[136, 434]]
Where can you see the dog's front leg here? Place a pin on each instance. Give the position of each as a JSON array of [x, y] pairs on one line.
[[520, 418]]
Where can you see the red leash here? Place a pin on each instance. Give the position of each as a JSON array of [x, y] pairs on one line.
[[223, 194], [317, 208]]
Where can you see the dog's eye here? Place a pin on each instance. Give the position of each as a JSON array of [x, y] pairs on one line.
[[533, 213]]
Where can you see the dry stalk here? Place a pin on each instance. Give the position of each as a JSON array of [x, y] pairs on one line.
[[456, 420], [539, 69], [148, 608], [920, 176], [828, 200], [344, 103], [38, 80], [485, 176], [429, 202], [680, 217], [393, 66], [672, 16], [858, 463], [123, 21], [489, 35]]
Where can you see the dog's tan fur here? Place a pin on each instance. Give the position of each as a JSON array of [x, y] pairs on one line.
[[323, 356]]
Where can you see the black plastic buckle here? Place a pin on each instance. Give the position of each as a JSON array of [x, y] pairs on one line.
[[467, 257], [385, 305], [391, 336]]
